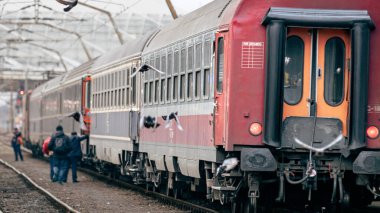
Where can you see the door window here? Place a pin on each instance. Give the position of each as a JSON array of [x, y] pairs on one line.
[[293, 75], [334, 71]]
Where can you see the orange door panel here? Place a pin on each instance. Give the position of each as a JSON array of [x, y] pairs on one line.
[[316, 74], [297, 81], [333, 76]]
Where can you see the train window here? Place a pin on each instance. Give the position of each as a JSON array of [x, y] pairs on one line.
[[122, 99], [168, 89], [175, 88], [183, 60], [156, 90], [127, 80], [220, 65], [115, 98], [112, 99], [198, 55], [197, 84], [150, 73], [206, 83], [100, 97], [134, 88], [334, 71], [293, 75], [163, 63], [190, 86], [101, 83], [88, 94], [95, 85], [182, 87], [207, 53], [121, 78], [105, 82], [190, 58], [162, 93], [112, 84], [108, 99], [109, 81], [150, 92], [170, 64], [146, 93], [116, 82], [127, 97], [103, 100], [117, 78], [157, 65], [176, 62], [96, 100]]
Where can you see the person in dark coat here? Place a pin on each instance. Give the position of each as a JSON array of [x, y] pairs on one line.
[[16, 144], [75, 154], [60, 145]]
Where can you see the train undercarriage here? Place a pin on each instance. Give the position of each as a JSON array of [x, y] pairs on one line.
[[326, 183]]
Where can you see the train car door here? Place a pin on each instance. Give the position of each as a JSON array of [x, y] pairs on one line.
[[220, 89], [316, 75], [86, 100]]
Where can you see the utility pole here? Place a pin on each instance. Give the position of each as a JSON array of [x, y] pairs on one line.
[[171, 8]]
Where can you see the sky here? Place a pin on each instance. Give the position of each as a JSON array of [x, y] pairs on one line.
[[189, 4]]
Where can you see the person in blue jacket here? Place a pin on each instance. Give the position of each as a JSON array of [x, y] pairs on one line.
[[75, 154], [16, 144]]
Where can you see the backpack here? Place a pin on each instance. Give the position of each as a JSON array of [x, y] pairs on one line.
[[14, 140], [61, 146]]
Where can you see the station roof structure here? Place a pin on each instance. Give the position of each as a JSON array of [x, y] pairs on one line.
[[38, 40]]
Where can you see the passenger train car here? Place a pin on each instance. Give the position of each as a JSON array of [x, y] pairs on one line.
[[249, 102], [53, 102]]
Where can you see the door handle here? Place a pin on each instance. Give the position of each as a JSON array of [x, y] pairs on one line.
[[319, 72]]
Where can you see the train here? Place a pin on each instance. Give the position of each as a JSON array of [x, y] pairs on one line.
[[251, 103]]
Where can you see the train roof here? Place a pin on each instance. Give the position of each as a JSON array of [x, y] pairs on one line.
[[130, 49], [78, 72], [48, 86], [210, 17]]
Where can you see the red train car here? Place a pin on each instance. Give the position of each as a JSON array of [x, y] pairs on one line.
[[292, 96]]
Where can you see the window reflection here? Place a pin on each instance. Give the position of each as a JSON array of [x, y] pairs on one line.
[[293, 75], [334, 71]]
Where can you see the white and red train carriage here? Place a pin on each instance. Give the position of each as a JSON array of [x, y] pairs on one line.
[[250, 102], [281, 86]]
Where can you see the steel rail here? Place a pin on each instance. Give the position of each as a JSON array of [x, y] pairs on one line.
[[47, 193], [184, 205]]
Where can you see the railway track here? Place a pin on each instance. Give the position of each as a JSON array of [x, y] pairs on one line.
[[181, 204], [25, 187]]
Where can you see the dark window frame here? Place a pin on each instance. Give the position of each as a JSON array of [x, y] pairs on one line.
[[301, 66], [220, 66], [342, 72]]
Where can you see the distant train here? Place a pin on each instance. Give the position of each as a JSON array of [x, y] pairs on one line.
[[252, 103]]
